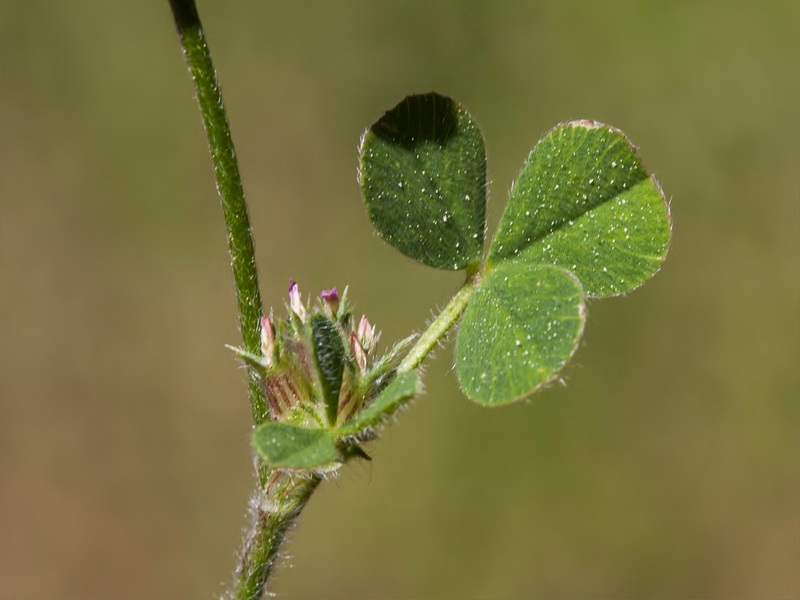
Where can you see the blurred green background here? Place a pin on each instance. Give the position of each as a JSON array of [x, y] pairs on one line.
[[667, 468]]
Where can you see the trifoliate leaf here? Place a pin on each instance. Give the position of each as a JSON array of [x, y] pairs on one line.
[[423, 177]]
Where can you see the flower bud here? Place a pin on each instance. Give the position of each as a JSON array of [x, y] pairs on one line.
[[295, 301], [267, 341], [366, 332], [358, 352], [330, 301]]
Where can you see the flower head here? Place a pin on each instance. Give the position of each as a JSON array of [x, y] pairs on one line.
[[319, 367]]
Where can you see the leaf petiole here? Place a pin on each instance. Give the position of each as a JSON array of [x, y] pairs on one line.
[[438, 328]]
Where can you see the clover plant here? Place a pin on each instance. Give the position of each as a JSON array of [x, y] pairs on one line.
[[583, 220]]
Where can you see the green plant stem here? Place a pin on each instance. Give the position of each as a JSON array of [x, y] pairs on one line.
[[229, 186], [274, 510], [437, 330], [271, 519]]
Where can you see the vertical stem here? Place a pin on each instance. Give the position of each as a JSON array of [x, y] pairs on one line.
[[229, 186], [274, 508], [280, 496]]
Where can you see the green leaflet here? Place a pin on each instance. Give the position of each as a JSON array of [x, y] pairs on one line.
[[287, 446], [403, 387], [423, 178], [584, 202], [520, 328], [329, 355]]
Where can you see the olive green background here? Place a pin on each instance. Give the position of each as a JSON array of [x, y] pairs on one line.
[[667, 468]]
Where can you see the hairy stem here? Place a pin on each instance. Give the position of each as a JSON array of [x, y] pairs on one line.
[[279, 497], [274, 508], [229, 186], [437, 330]]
